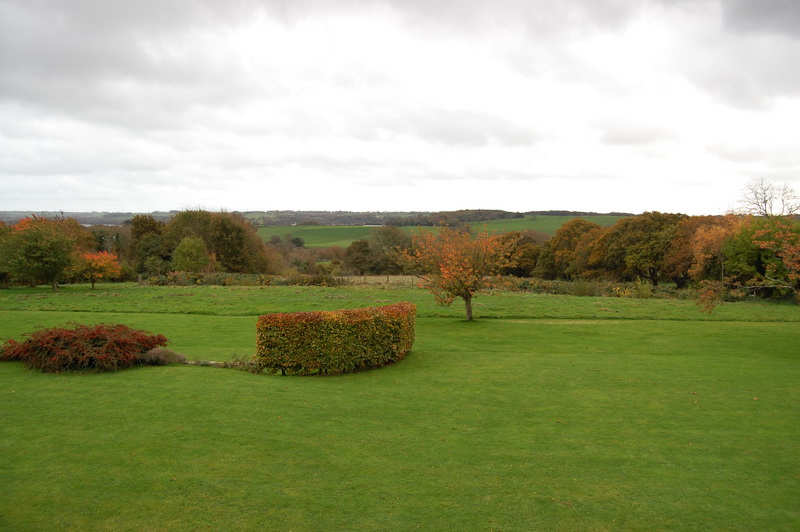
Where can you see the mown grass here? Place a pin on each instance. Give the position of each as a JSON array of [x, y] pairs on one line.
[[256, 300], [510, 423], [344, 235]]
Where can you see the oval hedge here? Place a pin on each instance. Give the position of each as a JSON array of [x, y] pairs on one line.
[[334, 342]]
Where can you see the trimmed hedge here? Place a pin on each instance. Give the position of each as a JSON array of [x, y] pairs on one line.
[[334, 342], [84, 347]]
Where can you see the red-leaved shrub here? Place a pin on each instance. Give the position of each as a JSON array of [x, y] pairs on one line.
[[83, 347]]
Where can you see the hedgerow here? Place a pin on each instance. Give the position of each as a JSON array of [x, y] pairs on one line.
[[205, 278], [242, 279], [334, 342], [83, 347]]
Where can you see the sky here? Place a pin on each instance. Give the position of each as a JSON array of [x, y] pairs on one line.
[[594, 105]]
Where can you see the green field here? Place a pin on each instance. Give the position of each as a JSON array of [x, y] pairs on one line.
[[319, 235], [548, 412], [344, 235]]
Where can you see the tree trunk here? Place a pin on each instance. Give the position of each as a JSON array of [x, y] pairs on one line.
[[92, 283], [468, 304], [55, 285]]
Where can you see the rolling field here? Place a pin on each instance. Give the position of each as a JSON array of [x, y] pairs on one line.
[[548, 224], [550, 412], [318, 235], [344, 235]]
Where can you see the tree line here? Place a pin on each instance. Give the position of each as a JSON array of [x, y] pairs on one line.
[[39, 250], [757, 252]]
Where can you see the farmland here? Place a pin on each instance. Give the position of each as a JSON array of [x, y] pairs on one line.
[[344, 235], [550, 412]]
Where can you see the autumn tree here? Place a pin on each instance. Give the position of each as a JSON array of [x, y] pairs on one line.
[[5, 272], [96, 265], [522, 249], [679, 257], [150, 254], [386, 245], [782, 239], [116, 239], [39, 250], [635, 247], [229, 238], [761, 254], [142, 224], [358, 257], [708, 248], [381, 253], [587, 256], [188, 223], [564, 243], [236, 244], [147, 245], [191, 255], [456, 264], [557, 256]]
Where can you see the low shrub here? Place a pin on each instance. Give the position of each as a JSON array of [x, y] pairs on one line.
[[594, 287], [334, 342], [242, 279], [317, 279], [642, 290], [585, 288], [83, 347], [206, 278], [159, 356]]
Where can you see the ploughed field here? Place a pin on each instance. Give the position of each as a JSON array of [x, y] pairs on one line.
[[547, 412], [344, 235]]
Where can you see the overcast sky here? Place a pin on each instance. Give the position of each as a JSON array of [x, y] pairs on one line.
[[598, 105]]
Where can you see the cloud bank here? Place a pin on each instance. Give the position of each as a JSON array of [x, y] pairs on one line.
[[521, 105]]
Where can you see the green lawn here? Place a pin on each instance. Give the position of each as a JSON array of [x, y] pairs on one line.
[[344, 235], [551, 412]]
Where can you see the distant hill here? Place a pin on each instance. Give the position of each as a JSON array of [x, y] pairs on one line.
[[87, 218], [322, 218], [344, 235], [579, 213]]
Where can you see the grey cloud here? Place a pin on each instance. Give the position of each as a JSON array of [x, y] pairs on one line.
[[746, 72], [116, 62], [763, 16], [540, 18], [747, 58]]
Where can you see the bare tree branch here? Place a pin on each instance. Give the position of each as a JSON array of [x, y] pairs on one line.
[[762, 198]]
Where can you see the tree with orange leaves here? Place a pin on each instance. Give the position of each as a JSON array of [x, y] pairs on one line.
[[708, 243], [97, 265], [455, 264], [782, 238]]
